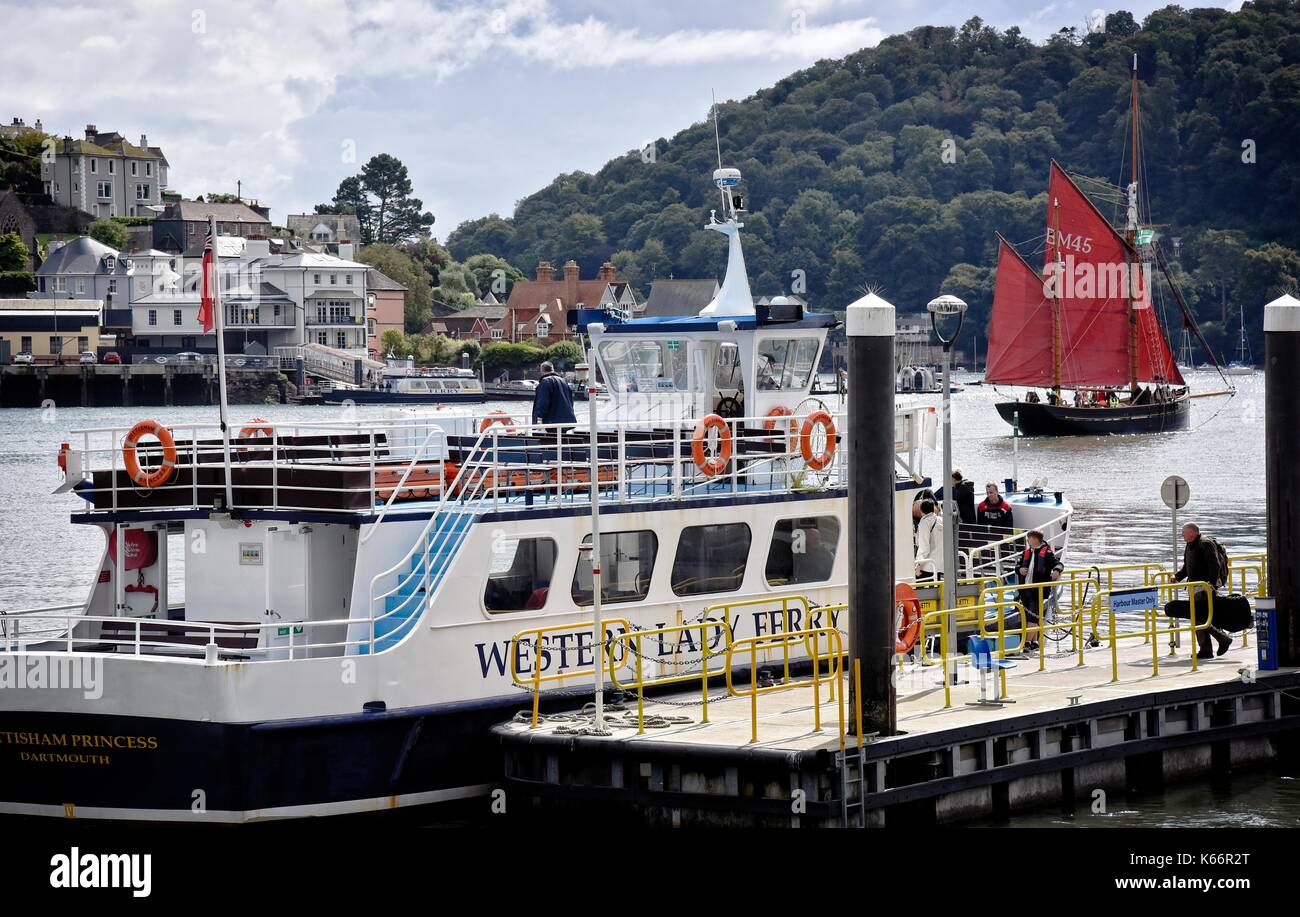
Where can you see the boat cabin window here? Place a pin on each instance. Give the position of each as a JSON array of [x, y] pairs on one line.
[[519, 574], [786, 364], [728, 373], [711, 558], [642, 365], [627, 561], [803, 550]]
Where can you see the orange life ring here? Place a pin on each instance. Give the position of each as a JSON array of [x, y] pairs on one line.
[[822, 460], [711, 467], [771, 422], [908, 614], [63, 458], [258, 426], [163, 473], [500, 417]]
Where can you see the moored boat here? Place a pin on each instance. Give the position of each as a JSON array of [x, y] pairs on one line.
[[345, 634], [1087, 323]]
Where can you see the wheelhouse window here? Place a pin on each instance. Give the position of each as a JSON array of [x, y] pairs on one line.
[[786, 364], [803, 550], [519, 574], [711, 558], [645, 365], [627, 562]]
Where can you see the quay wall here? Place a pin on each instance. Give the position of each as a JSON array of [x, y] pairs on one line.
[[137, 385], [1078, 758]]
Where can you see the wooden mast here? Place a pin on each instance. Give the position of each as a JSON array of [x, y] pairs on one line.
[[1056, 299], [1132, 241]]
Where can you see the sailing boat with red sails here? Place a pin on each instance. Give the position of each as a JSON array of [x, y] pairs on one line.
[[1086, 323]]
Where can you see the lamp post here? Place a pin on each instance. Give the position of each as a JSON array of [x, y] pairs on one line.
[[948, 311]]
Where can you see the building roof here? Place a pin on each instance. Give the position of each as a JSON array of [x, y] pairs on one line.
[[108, 146], [530, 294], [487, 313], [305, 223], [378, 280], [676, 298], [198, 211], [51, 306], [83, 255], [315, 259]]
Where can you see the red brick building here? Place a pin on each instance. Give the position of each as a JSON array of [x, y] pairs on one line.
[[537, 310]]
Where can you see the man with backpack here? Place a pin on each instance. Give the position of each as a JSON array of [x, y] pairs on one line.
[[1204, 561]]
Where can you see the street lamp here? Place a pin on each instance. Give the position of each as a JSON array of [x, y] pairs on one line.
[[947, 312]]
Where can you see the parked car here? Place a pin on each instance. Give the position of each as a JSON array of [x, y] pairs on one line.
[[112, 357], [24, 357], [189, 356], [87, 356]]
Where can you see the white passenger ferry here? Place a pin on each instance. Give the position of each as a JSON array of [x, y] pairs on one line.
[[403, 383], [351, 590]]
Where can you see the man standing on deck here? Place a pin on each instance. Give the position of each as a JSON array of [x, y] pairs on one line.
[[1201, 565], [553, 400], [995, 512], [963, 496]]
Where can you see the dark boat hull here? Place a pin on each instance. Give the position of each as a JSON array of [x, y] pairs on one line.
[[1061, 420]]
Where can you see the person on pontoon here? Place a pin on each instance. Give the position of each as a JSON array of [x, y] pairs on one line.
[[1037, 564]]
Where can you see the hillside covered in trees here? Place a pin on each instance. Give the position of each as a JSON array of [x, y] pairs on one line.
[[893, 167]]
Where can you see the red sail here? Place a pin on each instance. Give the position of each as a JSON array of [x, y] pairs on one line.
[[1020, 332], [1087, 264]]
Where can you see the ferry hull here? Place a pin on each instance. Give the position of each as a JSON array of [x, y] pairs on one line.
[[1061, 420], [186, 771]]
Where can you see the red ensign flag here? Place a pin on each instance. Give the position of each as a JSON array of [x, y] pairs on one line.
[[209, 285]]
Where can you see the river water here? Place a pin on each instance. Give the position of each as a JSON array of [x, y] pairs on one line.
[[1113, 482]]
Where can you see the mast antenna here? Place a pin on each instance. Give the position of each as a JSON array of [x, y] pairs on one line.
[[717, 136]]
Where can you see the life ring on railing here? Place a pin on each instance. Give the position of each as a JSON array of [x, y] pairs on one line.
[[163, 473], [258, 426], [907, 609], [771, 423], [500, 417], [63, 458], [711, 466], [821, 460]]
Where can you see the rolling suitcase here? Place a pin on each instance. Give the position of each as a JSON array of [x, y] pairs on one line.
[[1231, 612]]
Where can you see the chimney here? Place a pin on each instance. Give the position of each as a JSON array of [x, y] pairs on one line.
[[18, 122], [571, 284], [144, 141], [608, 273], [38, 126], [545, 273], [91, 132]]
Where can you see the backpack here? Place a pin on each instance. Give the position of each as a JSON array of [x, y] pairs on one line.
[[1221, 558]]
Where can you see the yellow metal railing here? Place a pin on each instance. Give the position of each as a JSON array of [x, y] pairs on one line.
[[537, 637], [812, 639], [934, 620], [1151, 628], [633, 640]]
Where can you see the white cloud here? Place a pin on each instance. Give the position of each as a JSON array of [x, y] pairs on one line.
[[92, 42], [221, 86]]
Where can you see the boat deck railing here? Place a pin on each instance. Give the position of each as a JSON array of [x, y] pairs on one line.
[[358, 466]]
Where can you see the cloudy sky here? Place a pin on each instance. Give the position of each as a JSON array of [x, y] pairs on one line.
[[484, 101]]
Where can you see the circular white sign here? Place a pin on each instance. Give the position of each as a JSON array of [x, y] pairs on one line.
[[1175, 492]]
